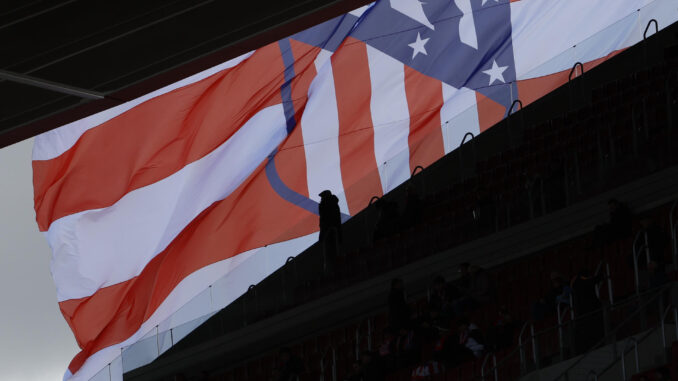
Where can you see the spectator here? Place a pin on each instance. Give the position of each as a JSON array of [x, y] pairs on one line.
[[471, 338], [464, 281], [480, 291], [398, 310], [406, 347], [588, 326], [427, 367], [440, 296], [371, 371], [355, 373], [618, 226], [330, 220], [656, 240], [503, 329], [656, 275], [430, 324], [387, 349], [290, 365], [558, 294]]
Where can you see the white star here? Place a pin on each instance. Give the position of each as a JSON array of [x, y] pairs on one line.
[[418, 46], [485, 1], [496, 73]]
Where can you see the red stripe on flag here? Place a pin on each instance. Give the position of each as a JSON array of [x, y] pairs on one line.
[[489, 112], [424, 100], [360, 175], [155, 139], [252, 214]]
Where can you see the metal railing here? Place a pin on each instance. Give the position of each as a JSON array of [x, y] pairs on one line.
[[494, 362], [636, 253], [648, 298], [674, 243]]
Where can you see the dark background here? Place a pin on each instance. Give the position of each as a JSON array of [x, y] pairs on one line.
[[127, 48]]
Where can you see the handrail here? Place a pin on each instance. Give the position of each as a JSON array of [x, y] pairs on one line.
[[656, 28], [520, 347], [644, 303], [663, 320], [592, 372], [674, 245], [482, 366], [463, 140], [635, 257], [635, 264], [610, 292], [573, 70], [623, 356], [535, 355], [517, 101], [374, 198], [561, 315]]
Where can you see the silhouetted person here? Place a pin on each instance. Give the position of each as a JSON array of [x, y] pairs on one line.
[[371, 370], [398, 310], [480, 291], [471, 338], [588, 324], [330, 228], [290, 365], [330, 216], [618, 226], [503, 330], [656, 239], [355, 373], [558, 294]]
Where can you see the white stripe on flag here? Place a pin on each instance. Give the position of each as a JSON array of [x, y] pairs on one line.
[[128, 234], [230, 279], [320, 131], [458, 116], [391, 118], [544, 36]]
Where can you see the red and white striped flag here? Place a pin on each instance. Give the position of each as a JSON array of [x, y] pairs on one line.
[[148, 203]]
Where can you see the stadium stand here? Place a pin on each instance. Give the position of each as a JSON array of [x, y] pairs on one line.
[[525, 204]]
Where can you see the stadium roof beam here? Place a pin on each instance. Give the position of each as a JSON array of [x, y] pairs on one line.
[[49, 85]]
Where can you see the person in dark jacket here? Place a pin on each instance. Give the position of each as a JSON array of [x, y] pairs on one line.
[[291, 366], [330, 216], [330, 230], [618, 226], [589, 323], [398, 310]]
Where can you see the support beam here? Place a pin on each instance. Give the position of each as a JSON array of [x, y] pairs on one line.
[[49, 85]]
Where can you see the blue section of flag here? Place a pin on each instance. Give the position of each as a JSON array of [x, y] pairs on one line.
[[406, 34], [286, 88], [287, 193], [399, 27]]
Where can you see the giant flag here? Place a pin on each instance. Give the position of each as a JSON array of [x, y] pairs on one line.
[[147, 203]]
